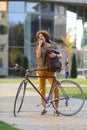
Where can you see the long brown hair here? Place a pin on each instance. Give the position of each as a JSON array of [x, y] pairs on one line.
[[46, 38]]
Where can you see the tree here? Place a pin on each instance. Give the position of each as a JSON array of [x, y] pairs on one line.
[[74, 67], [25, 65], [68, 42], [16, 56]]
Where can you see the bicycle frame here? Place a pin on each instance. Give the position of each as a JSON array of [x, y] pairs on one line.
[[29, 81]]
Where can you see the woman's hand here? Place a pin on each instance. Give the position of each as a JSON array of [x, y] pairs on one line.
[[52, 55], [40, 42]]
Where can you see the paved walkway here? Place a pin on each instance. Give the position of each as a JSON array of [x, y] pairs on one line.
[[30, 118]]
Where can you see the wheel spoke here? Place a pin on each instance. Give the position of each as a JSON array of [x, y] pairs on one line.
[[71, 98], [19, 97]]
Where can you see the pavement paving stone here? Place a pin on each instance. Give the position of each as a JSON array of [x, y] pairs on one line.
[[30, 118]]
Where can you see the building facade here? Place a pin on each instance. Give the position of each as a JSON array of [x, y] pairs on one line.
[[20, 20]]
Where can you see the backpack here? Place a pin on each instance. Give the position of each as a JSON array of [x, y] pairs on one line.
[[54, 64]]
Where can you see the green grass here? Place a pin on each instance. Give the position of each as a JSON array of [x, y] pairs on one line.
[[80, 81], [5, 126], [10, 80], [74, 92], [85, 92], [14, 80]]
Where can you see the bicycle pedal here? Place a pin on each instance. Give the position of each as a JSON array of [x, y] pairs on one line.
[[37, 105]]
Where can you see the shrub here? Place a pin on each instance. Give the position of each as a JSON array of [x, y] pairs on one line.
[[74, 67]]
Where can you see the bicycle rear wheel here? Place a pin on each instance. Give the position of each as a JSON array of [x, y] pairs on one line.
[[20, 97], [71, 98]]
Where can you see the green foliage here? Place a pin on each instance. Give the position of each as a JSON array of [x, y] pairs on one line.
[[25, 65], [16, 56], [16, 34], [74, 67], [5, 126]]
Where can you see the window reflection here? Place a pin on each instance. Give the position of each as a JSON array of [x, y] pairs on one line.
[[1, 64], [31, 27], [59, 9], [15, 18], [85, 15], [47, 23], [16, 29], [16, 35], [32, 7], [47, 7], [3, 6], [59, 27], [80, 12], [16, 6]]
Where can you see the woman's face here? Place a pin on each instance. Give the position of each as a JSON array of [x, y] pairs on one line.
[[41, 37]]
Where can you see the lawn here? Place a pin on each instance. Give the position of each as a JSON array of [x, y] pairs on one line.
[[5, 126], [80, 81]]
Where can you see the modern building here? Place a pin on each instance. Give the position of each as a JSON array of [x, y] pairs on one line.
[[21, 19]]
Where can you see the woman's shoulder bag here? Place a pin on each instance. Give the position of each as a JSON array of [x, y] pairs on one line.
[[54, 64]]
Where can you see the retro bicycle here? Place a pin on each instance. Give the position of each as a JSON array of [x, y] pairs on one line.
[[71, 96]]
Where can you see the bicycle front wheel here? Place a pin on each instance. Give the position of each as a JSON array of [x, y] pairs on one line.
[[19, 97], [71, 98]]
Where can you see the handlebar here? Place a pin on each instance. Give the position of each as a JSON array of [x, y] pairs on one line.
[[17, 66]]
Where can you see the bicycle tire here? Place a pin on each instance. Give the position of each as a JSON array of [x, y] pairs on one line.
[[71, 98], [19, 97]]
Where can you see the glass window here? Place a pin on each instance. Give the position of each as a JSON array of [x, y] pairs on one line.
[[47, 22], [16, 6], [1, 64], [85, 14], [47, 7], [85, 34], [3, 6], [16, 29], [32, 7], [31, 27], [15, 56], [15, 18], [59, 27], [72, 9], [80, 12], [59, 9]]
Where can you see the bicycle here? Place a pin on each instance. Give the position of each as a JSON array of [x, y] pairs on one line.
[[71, 96]]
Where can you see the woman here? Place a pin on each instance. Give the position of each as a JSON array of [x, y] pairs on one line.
[[67, 69], [42, 45]]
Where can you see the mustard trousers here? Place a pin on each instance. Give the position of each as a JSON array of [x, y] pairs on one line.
[[42, 85]]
